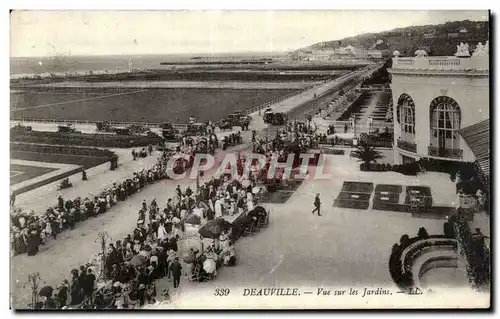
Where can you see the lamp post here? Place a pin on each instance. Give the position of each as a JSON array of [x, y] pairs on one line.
[[103, 238]]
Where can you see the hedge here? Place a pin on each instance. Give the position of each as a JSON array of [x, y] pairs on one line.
[[404, 280], [54, 149], [470, 179], [478, 257], [80, 139]]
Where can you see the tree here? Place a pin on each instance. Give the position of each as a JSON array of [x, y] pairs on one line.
[[34, 282], [366, 154]]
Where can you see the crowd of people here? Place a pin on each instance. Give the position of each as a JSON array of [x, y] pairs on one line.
[[286, 141], [29, 230], [127, 274], [152, 251]]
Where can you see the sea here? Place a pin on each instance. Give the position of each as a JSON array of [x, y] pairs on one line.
[[67, 64]]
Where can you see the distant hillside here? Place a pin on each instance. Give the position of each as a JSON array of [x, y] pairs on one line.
[[440, 40]]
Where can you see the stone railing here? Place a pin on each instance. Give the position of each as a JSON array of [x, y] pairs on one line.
[[441, 63], [455, 153], [407, 146]]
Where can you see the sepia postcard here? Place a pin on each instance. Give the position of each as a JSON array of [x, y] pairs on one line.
[[249, 160]]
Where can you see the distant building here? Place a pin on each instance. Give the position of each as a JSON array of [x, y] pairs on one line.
[[351, 52], [453, 35], [429, 35], [375, 54], [315, 55], [463, 30]]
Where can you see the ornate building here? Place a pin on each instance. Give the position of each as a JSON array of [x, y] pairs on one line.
[[435, 97]]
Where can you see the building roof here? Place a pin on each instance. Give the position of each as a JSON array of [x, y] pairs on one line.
[[477, 136]]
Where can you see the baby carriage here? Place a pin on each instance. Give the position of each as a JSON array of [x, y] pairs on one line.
[[249, 223], [262, 216]]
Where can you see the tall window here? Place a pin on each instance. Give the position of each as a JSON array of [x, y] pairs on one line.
[[445, 122], [406, 117]]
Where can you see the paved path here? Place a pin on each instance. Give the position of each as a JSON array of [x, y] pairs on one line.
[[341, 249]]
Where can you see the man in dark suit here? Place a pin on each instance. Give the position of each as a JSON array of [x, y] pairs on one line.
[[317, 205], [176, 271]]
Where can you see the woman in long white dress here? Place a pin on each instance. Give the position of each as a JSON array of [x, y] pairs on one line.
[[249, 201], [162, 233], [218, 207]]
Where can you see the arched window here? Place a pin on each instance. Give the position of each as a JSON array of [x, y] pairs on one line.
[[406, 117], [445, 119]]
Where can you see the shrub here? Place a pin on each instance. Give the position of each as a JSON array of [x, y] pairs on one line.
[[448, 230], [403, 241], [422, 233], [395, 248]]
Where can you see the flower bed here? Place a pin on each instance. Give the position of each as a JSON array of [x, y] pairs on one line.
[[357, 187]]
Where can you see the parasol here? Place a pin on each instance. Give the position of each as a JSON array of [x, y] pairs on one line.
[[209, 266], [213, 229], [256, 190], [138, 260], [46, 291]]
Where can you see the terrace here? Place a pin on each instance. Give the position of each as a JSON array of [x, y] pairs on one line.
[[477, 64]]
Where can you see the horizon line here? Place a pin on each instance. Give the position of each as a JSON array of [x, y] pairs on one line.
[[65, 55]]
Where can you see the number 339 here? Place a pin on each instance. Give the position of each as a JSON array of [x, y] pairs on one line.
[[221, 292]]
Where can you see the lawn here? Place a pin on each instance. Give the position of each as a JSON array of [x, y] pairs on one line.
[[155, 105], [21, 173]]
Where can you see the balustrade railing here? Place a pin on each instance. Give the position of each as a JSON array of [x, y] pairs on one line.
[[455, 153], [407, 146]]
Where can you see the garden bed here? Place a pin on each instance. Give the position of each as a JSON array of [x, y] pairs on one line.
[[424, 194], [357, 187], [391, 189]]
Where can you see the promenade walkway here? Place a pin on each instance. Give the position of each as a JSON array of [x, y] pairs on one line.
[[99, 178]]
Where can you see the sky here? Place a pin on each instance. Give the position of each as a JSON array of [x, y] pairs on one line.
[[55, 33]]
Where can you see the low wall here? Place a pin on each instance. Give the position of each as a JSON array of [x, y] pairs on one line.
[[35, 182]]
